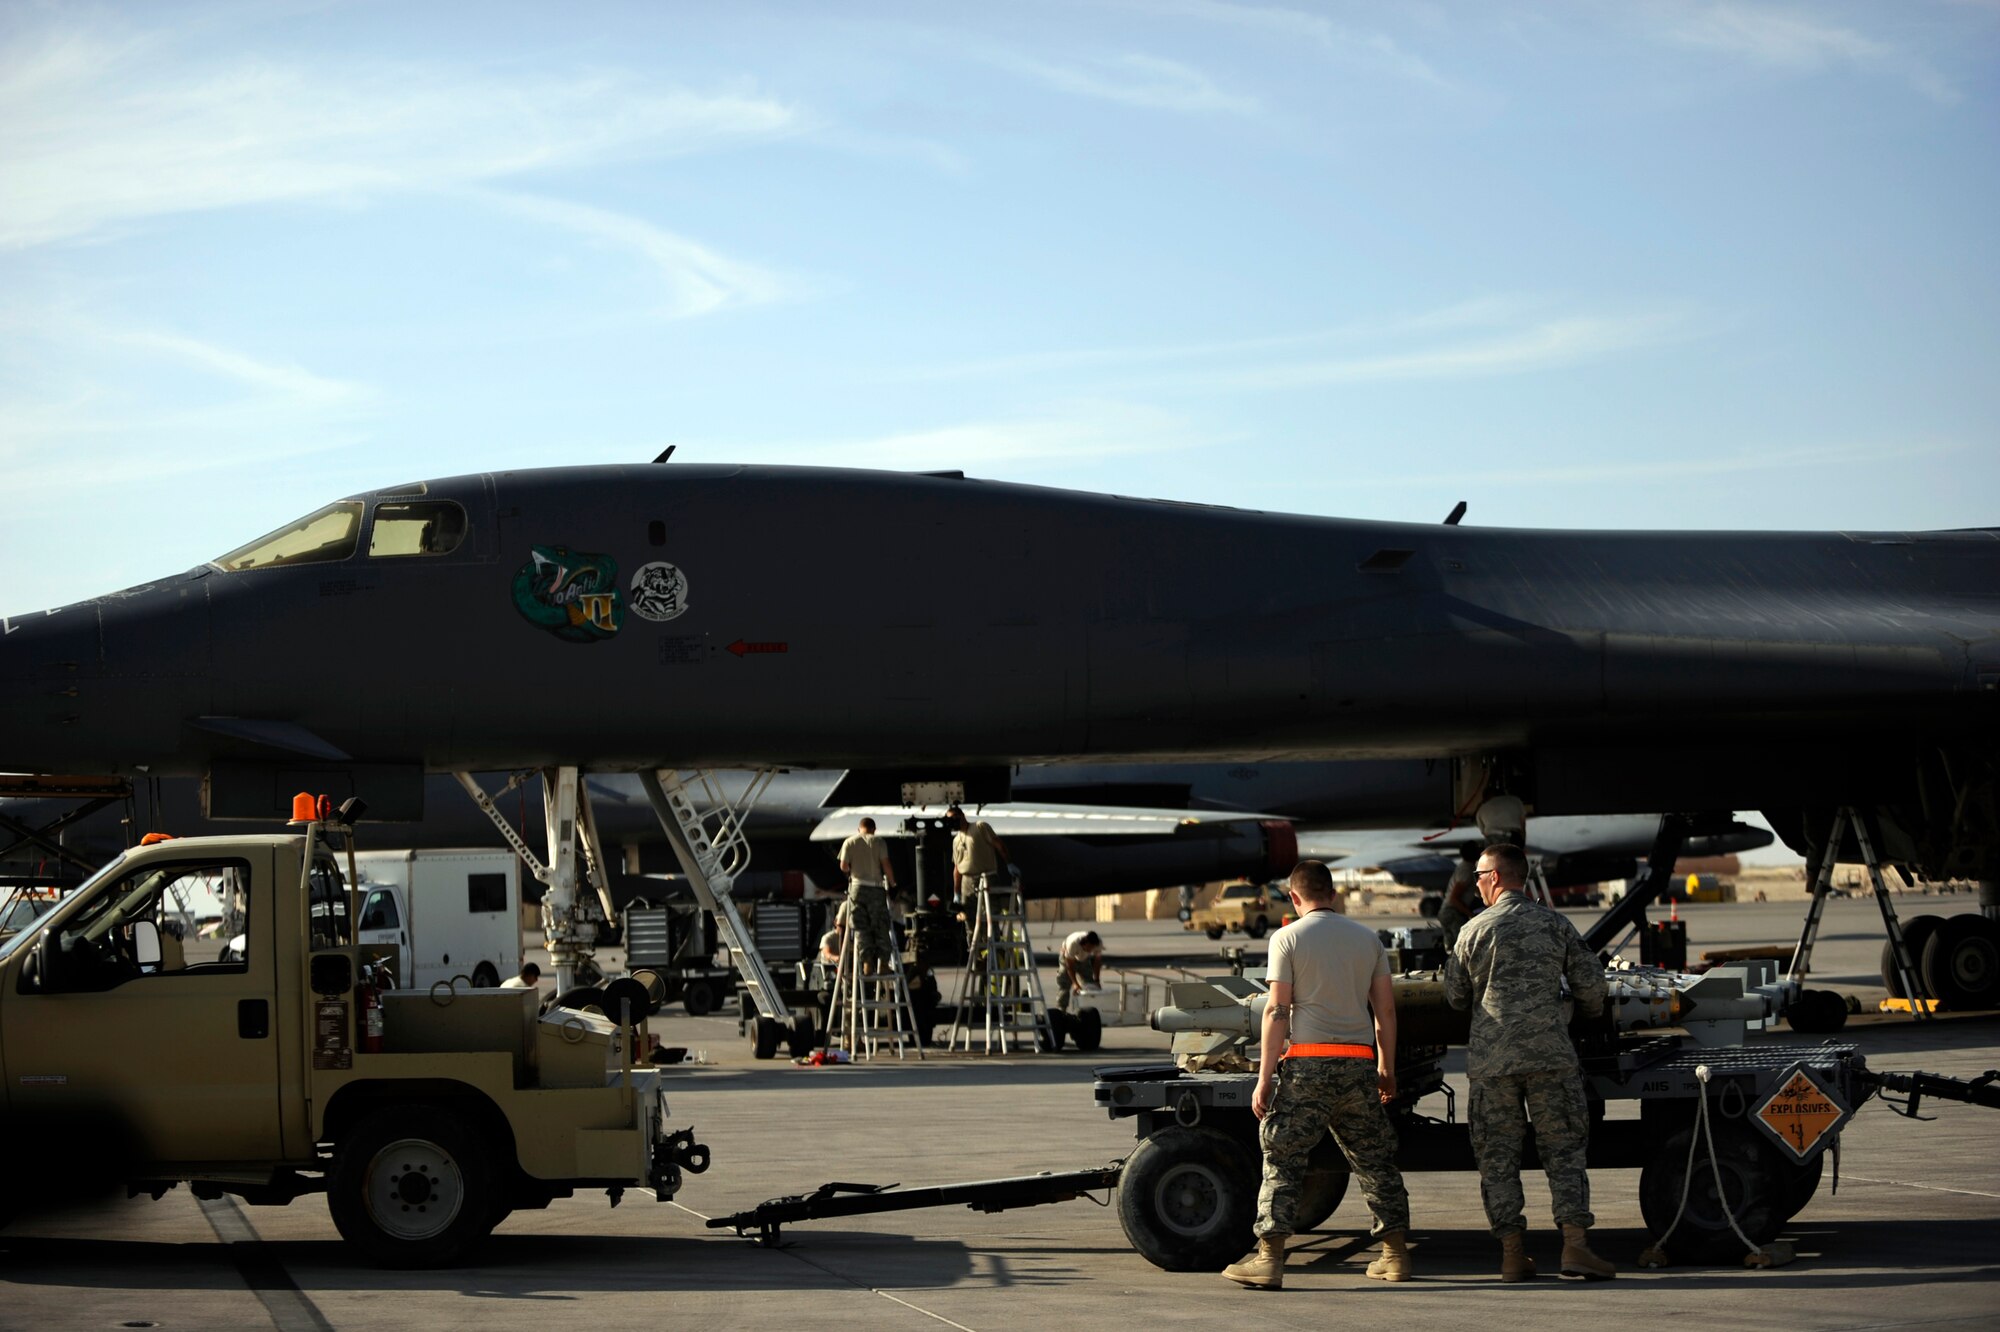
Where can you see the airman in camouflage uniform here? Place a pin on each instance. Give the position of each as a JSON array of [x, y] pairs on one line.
[[1508, 968], [1459, 896], [1328, 1062]]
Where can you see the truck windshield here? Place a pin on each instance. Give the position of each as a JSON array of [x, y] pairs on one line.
[[7, 948]]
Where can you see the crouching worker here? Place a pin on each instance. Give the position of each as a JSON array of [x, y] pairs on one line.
[[1326, 1063]]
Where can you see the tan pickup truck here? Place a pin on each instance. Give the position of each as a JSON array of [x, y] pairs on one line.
[[136, 1061], [1246, 908]]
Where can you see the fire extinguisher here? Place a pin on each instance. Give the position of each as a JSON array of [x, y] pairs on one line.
[[370, 996]]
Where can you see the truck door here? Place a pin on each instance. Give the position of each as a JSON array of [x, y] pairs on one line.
[[383, 922], [178, 1055]]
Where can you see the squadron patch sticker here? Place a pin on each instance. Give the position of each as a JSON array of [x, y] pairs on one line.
[[571, 593], [659, 591]]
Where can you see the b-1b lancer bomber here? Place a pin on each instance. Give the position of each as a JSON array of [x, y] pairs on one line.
[[633, 618]]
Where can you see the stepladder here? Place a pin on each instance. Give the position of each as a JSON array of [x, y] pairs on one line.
[[1001, 1007], [870, 1007]]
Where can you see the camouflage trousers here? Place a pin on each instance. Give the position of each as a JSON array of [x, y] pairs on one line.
[[1555, 1102], [1314, 1095], [868, 917]]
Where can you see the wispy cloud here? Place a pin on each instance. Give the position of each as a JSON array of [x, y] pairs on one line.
[[1488, 335], [1366, 47], [137, 416], [1078, 432], [1794, 40], [1548, 345], [100, 128], [1680, 468], [698, 281], [1134, 80]]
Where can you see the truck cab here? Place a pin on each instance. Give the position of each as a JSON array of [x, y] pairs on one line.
[[140, 1059]]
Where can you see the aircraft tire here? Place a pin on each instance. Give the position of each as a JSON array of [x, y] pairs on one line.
[[1188, 1197], [1319, 1198], [698, 998], [1817, 1012], [1916, 933], [1961, 963], [581, 997], [1755, 1181], [1255, 928], [766, 1034], [414, 1186]]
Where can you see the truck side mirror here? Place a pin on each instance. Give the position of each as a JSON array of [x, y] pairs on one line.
[[146, 946]]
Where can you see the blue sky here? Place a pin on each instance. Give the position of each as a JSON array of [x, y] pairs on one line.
[[1584, 265]]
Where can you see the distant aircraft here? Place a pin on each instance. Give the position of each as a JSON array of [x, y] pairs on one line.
[[635, 618]]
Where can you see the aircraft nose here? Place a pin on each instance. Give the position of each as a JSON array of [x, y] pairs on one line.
[[101, 686]]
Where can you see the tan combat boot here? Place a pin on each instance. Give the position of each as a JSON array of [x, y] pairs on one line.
[[1263, 1268], [1394, 1264], [1515, 1264], [1579, 1261]]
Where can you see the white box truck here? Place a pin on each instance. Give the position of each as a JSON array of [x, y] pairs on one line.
[[450, 913]]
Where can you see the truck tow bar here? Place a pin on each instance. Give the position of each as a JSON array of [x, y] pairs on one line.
[[1981, 1090], [985, 1195]]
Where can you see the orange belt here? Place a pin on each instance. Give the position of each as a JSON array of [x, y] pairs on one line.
[[1310, 1050]]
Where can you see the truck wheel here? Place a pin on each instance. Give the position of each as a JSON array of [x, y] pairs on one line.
[[413, 1186], [1962, 963], [1916, 933], [765, 1036], [1187, 1199], [1319, 1198], [1754, 1181], [698, 998], [484, 977], [1215, 931], [1255, 929]]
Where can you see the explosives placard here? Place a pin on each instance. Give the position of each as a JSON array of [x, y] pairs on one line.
[[1803, 1115]]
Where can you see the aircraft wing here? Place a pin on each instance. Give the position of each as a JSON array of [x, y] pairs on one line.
[[1040, 820]]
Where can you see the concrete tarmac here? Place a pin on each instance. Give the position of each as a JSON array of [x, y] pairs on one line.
[[1912, 1238]]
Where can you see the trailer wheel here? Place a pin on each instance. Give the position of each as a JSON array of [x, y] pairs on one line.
[[698, 998], [1320, 1198], [484, 977], [1962, 963], [1916, 933], [1754, 1181], [1215, 931], [766, 1034], [1801, 1183], [413, 1186], [1187, 1199], [1088, 1030]]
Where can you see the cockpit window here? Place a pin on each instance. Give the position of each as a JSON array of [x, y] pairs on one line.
[[330, 534], [425, 527]]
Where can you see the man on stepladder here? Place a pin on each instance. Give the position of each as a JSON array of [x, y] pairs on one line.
[[865, 862], [1508, 968], [1326, 1063]]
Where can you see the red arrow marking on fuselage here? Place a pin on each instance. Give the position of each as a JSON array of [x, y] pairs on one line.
[[741, 648]]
